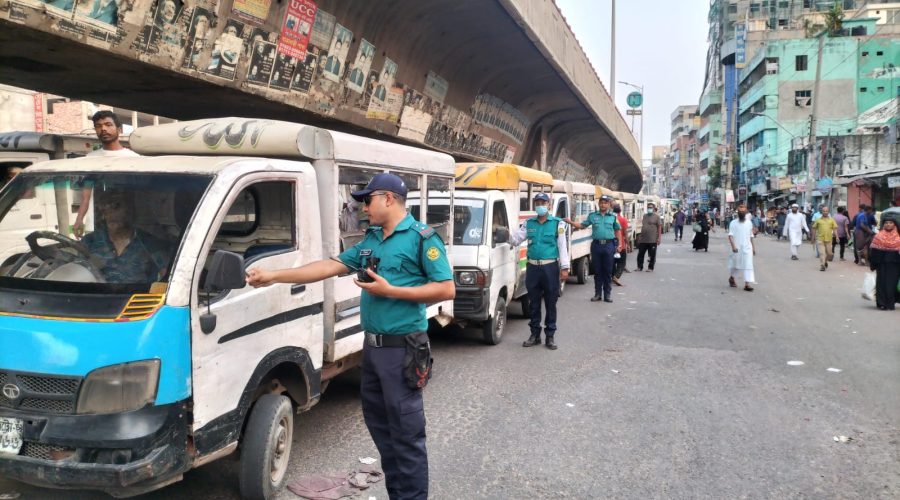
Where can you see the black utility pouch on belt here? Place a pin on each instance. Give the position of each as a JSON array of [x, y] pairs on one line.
[[418, 361]]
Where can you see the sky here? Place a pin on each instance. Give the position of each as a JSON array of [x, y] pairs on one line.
[[660, 45]]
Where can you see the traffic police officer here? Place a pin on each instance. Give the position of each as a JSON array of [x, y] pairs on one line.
[[412, 270], [607, 240], [548, 265]]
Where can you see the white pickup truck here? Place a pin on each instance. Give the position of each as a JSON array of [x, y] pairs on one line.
[[131, 368], [489, 201], [576, 200]]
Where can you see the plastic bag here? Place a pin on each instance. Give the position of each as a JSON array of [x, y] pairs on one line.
[[868, 288]]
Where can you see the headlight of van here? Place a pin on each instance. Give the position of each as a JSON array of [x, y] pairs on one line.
[[118, 388], [471, 278]]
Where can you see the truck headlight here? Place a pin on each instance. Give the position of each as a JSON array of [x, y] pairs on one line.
[[471, 278], [118, 388]]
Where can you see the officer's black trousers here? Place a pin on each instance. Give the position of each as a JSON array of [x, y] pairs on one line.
[[602, 258], [395, 416], [542, 283]]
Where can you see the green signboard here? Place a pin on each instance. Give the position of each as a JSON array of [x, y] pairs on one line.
[[635, 99]]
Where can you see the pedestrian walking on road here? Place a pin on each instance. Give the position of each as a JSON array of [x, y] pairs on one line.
[[678, 221], [701, 232], [826, 231], [794, 228], [843, 230], [780, 220], [884, 259], [619, 266], [606, 242], [412, 270], [862, 234], [650, 238], [740, 261], [548, 265]]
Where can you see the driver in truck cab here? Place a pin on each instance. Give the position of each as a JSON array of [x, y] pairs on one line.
[[126, 254]]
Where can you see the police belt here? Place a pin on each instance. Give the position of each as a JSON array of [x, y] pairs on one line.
[[541, 262], [378, 340]]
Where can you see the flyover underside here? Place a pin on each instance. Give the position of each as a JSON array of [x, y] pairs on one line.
[[488, 66]]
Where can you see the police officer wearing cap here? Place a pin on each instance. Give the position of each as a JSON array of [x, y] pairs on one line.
[[412, 270], [548, 265], [607, 240]]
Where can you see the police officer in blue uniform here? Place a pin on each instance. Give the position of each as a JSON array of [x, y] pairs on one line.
[[548, 265], [412, 270], [607, 240]]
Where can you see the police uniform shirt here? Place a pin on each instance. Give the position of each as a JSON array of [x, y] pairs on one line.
[[399, 265], [541, 239], [603, 225]]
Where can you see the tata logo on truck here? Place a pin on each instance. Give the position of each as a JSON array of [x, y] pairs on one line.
[[12, 392]]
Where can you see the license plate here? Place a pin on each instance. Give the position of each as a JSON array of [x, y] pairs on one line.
[[11, 430]]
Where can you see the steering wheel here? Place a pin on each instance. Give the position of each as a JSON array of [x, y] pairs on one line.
[[46, 253]]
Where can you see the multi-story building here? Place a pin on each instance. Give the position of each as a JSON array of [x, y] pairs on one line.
[[761, 65]]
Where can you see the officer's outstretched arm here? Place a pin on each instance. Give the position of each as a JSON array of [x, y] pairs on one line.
[[310, 273]]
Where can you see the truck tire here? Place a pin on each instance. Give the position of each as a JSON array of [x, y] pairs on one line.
[[492, 329], [525, 302], [582, 266], [266, 447]]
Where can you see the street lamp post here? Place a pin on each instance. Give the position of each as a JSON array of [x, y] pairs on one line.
[[640, 88]]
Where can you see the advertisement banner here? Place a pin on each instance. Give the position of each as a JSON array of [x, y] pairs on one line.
[[356, 81], [436, 87], [297, 28], [38, 112], [252, 10], [740, 39]]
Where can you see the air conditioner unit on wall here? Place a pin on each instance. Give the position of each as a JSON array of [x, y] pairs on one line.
[[803, 102]]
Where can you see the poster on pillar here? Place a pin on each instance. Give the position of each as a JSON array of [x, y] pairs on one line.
[[436, 87], [323, 28], [379, 106], [305, 71], [333, 68], [416, 117], [297, 28], [262, 60], [226, 50], [168, 35], [255, 11], [283, 72], [356, 81], [199, 37]]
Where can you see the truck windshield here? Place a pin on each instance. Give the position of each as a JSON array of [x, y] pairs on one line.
[[468, 217], [95, 232]]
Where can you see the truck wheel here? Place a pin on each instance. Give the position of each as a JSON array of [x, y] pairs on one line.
[[581, 270], [266, 447], [492, 329], [525, 302]]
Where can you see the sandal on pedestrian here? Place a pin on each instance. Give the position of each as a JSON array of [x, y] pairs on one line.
[[748, 288], [732, 283]]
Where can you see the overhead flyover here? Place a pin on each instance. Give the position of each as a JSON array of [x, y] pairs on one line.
[[483, 80]]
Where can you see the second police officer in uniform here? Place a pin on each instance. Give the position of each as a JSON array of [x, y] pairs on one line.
[[412, 270], [607, 240], [548, 265]]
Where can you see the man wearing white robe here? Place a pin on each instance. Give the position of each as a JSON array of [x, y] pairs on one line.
[[740, 262], [794, 227]]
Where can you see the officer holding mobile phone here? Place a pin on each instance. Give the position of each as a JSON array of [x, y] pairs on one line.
[[402, 265]]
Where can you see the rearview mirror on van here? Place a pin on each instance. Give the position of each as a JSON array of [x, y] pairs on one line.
[[501, 236], [226, 271]]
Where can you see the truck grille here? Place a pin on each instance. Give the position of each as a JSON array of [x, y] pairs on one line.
[[43, 451], [466, 304], [41, 393]]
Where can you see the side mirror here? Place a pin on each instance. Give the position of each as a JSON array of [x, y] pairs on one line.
[[501, 236], [226, 271]]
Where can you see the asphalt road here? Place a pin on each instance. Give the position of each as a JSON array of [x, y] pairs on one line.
[[679, 389]]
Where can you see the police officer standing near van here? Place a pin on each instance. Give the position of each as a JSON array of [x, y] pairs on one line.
[[548, 265], [401, 265], [607, 240]]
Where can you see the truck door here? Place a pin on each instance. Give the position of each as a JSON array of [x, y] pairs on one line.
[[261, 220], [503, 256]]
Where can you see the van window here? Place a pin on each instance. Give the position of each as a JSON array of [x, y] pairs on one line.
[[499, 220], [468, 217], [352, 219], [562, 211], [241, 218], [439, 220]]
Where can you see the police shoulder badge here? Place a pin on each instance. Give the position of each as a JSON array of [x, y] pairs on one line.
[[433, 253]]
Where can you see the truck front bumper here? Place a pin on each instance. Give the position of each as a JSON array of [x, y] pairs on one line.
[[472, 304], [122, 454]]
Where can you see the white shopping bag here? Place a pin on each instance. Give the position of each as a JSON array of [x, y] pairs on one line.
[[868, 288]]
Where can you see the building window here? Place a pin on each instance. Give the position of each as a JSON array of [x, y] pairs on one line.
[[782, 22], [865, 53], [863, 89], [802, 98], [800, 63], [807, 4], [783, 4], [732, 8], [879, 53], [880, 89]]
